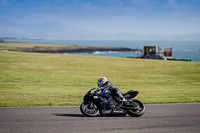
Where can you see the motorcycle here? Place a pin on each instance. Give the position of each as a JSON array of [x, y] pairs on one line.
[[104, 104]]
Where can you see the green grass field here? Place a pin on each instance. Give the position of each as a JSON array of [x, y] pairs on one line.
[[32, 79]]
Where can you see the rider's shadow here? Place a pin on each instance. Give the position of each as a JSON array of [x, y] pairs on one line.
[[68, 115], [80, 115]]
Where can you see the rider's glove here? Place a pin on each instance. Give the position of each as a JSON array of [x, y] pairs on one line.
[[101, 88], [97, 90]]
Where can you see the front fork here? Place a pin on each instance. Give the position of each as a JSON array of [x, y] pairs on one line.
[[91, 104]]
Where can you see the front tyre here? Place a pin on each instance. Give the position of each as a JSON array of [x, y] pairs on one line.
[[137, 110], [89, 109]]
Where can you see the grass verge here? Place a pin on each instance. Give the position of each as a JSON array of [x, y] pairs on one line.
[[32, 79]]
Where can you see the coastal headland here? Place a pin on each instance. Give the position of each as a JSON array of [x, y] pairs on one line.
[[54, 48]]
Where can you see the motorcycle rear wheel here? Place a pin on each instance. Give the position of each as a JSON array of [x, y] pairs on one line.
[[88, 110], [136, 111]]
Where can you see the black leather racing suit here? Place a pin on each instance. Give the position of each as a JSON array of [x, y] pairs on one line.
[[113, 90]]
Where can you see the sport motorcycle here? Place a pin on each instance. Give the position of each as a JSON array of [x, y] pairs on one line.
[[104, 104]]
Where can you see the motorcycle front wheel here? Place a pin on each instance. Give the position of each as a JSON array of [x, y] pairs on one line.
[[137, 110], [89, 109]]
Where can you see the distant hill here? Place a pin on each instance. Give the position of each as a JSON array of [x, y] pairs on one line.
[[52, 30]]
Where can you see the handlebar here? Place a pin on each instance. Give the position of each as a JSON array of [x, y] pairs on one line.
[[92, 89], [97, 90]]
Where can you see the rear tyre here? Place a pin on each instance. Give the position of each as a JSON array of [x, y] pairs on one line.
[[89, 109], [138, 110]]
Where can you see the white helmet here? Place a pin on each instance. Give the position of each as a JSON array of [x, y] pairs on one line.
[[101, 81]]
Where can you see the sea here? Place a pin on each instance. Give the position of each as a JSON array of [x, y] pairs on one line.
[[180, 49]]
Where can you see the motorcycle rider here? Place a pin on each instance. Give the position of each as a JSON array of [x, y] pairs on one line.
[[105, 85]]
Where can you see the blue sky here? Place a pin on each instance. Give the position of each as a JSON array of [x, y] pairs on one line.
[[162, 17]]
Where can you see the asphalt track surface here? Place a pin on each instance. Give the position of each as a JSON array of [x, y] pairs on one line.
[[159, 118]]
